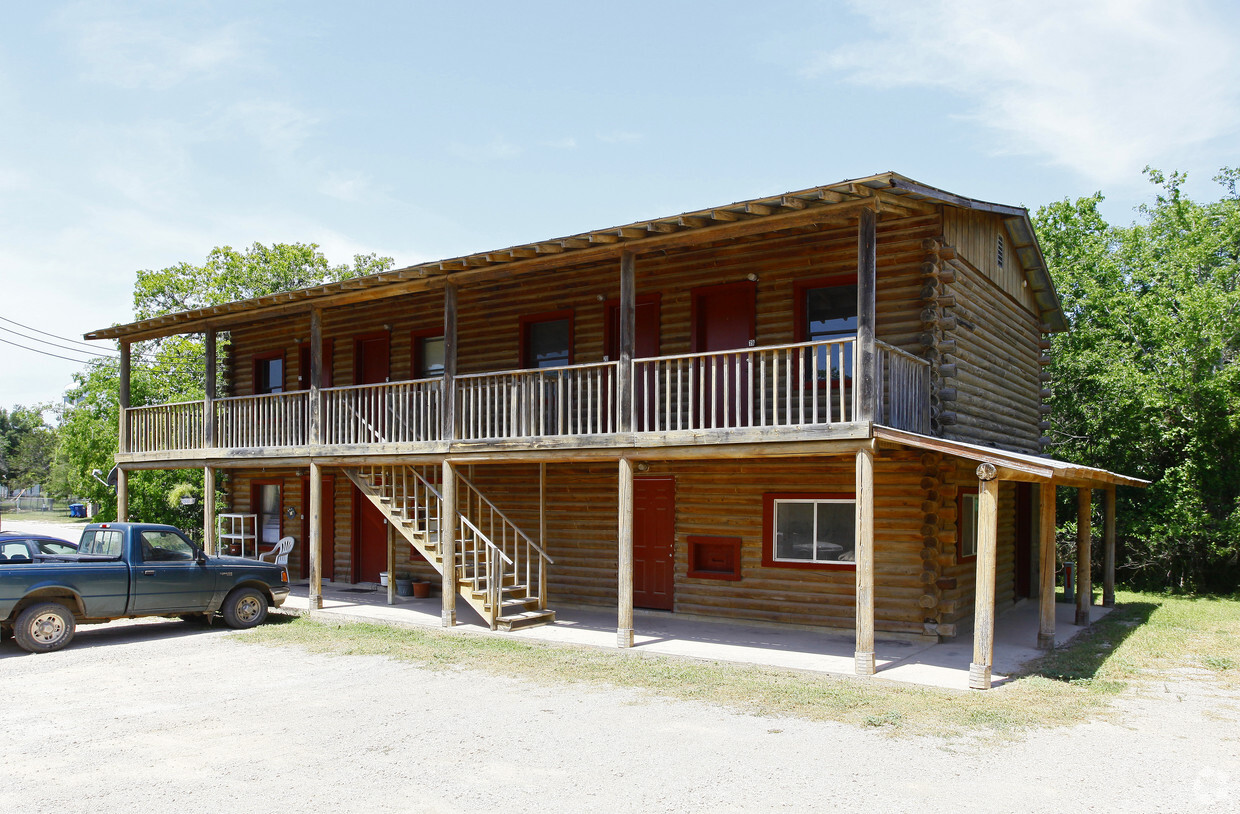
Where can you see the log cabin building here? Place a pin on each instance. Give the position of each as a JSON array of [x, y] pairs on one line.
[[822, 408]]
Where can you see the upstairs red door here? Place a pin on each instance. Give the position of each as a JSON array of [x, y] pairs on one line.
[[371, 359], [654, 536], [723, 319]]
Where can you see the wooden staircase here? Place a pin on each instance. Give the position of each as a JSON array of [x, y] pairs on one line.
[[499, 570]]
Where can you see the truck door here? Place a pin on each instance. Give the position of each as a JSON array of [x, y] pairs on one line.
[[167, 577]]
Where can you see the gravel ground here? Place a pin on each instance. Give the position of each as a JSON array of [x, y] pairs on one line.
[[158, 715]]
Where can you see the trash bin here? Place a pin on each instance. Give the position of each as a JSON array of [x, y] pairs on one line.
[[77, 510]]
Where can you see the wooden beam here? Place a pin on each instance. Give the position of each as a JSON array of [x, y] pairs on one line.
[[208, 510], [447, 406], [447, 532], [866, 373], [864, 508], [316, 537], [316, 376], [1108, 552], [122, 495], [984, 587], [542, 534], [208, 402], [123, 395], [391, 561], [628, 330], [624, 569], [1084, 579], [1046, 566]]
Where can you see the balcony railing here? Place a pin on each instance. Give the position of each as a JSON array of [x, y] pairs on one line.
[[783, 386]]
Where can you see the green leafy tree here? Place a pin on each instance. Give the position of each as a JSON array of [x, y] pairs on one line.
[[26, 445], [172, 369], [1147, 381]]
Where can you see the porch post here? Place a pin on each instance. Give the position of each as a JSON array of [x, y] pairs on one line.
[[542, 535], [1084, 579], [208, 403], [122, 495], [447, 539], [1108, 552], [448, 395], [1046, 568], [864, 656], [624, 568], [628, 329], [316, 536], [315, 433], [391, 561], [984, 587], [123, 397], [208, 509], [866, 371]]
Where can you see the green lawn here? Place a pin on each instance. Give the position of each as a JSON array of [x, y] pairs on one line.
[[1146, 635], [57, 515]]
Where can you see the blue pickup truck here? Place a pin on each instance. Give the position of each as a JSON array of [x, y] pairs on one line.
[[125, 570]]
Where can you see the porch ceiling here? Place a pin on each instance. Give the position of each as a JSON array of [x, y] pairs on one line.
[[1012, 465], [886, 192]]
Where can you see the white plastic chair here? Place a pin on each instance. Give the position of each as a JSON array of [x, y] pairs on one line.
[[279, 554]]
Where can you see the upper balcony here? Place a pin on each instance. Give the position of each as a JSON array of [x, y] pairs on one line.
[[793, 392]]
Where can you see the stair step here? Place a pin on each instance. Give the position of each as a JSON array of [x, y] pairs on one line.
[[527, 619]]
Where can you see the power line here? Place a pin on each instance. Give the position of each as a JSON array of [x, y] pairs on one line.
[[45, 353], [46, 342], [54, 336]]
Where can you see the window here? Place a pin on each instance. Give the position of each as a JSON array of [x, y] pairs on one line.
[[105, 542], [547, 340], [966, 525], [268, 506], [826, 310], [428, 355], [165, 546], [810, 530], [269, 373]]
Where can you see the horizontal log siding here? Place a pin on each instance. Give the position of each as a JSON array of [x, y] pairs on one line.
[[956, 604], [998, 391], [717, 498]]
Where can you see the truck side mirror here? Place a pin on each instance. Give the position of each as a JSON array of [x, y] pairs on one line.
[[202, 556]]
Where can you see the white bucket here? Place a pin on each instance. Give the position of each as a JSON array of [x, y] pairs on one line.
[[383, 577]]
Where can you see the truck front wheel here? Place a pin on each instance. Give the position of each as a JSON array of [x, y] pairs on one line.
[[245, 607], [44, 627]]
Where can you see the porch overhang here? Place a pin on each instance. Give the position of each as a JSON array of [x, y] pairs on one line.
[[1014, 466]]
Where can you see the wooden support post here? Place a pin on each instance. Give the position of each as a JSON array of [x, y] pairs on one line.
[[208, 510], [1084, 577], [542, 535], [1108, 552], [447, 538], [122, 495], [391, 561], [1046, 567], [628, 330], [208, 402], [864, 656], [315, 428], [316, 537], [451, 428], [123, 396], [984, 587], [866, 373], [624, 569]]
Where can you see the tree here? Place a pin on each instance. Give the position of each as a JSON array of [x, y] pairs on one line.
[[1147, 380], [26, 444], [171, 369]]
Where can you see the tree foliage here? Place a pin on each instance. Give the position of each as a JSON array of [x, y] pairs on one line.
[[26, 444], [171, 369], [1147, 381]]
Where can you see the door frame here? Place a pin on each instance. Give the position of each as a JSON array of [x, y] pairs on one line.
[[671, 543]]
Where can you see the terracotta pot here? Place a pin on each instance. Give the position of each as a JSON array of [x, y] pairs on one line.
[[421, 589]]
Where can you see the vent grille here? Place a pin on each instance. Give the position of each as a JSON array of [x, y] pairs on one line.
[[999, 251]]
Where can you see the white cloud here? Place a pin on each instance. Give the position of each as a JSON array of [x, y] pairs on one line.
[[346, 186], [497, 149], [122, 49], [1102, 88], [278, 126]]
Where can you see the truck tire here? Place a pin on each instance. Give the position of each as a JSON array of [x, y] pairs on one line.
[[44, 627], [244, 608]]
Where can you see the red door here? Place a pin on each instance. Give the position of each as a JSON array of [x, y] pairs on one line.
[[371, 358], [328, 510], [646, 345], [723, 319], [654, 536], [369, 540]]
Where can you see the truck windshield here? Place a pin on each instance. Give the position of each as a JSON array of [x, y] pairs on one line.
[[106, 542]]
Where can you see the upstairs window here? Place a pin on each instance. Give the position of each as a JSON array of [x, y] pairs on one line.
[[428, 355], [269, 373], [547, 340], [826, 310]]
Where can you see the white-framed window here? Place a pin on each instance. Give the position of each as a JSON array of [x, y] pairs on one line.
[[811, 530], [966, 528]]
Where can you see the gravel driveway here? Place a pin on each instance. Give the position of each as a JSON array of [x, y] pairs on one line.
[[159, 715]]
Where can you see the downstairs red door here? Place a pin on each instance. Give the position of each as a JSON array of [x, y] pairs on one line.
[[654, 535]]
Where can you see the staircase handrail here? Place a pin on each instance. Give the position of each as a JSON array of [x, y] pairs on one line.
[[429, 486], [503, 517]]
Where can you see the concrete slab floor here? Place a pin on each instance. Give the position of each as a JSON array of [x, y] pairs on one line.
[[914, 662]]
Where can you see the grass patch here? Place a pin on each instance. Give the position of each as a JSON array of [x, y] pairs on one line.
[[1146, 633], [9, 518]]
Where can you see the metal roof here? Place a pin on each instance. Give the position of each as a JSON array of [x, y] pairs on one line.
[[886, 191]]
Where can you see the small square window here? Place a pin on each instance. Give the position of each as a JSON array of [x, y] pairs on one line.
[[269, 375], [430, 356], [547, 341]]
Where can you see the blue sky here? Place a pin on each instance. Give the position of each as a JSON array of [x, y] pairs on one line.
[[138, 135]]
